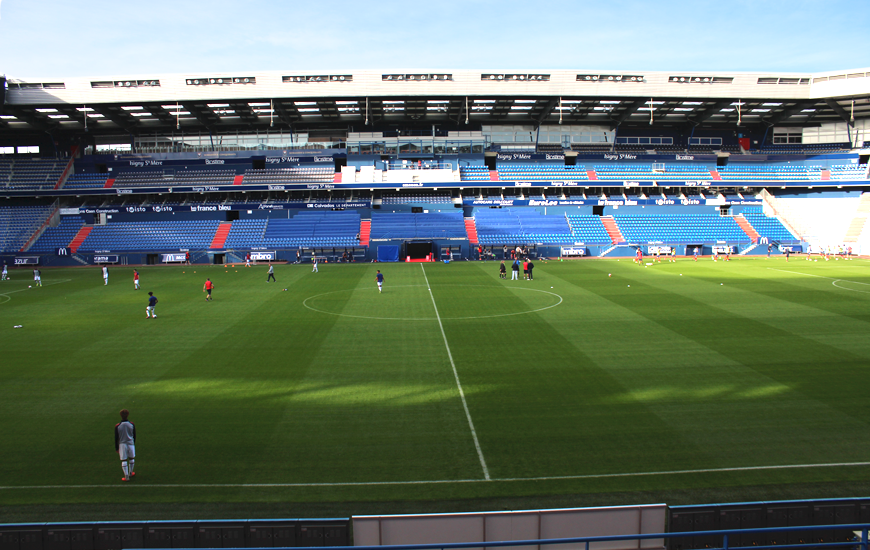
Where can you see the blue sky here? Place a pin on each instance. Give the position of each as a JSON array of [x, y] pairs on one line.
[[53, 38]]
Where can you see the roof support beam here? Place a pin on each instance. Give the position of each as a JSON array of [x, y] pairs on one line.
[[35, 122], [206, 118], [788, 112], [548, 108], [832, 103], [282, 113], [124, 121], [630, 110], [703, 115]]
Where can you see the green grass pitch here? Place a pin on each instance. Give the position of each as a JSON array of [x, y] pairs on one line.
[[678, 382]]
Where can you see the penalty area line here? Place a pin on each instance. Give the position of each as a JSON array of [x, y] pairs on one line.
[[449, 481], [52, 283], [458, 384]]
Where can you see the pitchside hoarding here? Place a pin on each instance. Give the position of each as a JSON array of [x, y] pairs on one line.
[[658, 249], [172, 258], [261, 256]]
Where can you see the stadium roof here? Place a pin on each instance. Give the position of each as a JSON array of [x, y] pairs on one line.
[[221, 103]]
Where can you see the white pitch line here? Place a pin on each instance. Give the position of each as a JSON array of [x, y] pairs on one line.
[[835, 281], [458, 384], [448, 481], [799, 273], [6, 294]]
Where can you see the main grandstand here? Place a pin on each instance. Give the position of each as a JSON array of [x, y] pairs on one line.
[[393, 167], [592, 163]]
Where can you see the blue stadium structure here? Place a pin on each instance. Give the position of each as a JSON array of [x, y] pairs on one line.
[[579, 166]]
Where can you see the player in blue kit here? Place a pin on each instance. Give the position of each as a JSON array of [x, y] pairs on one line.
[[380, 280], [152, 302]]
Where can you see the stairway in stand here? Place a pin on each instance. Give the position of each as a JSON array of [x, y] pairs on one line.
[[856, 227], [80, 238], [612, 229], [365, 231], [747, 228], [220, 236], [471, 230]]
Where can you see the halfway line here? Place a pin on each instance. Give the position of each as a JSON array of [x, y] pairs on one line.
[[458, 384], [447, 481]]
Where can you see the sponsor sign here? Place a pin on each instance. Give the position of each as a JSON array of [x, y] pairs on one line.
[[69, 212], [620, 202], [658, 248], [557, 202], [573, 251], [170, 258], [106, 258], [495, 202], [210, 208], [745, 201], [292, 159], [579, 202], [505, 157], [264, 256], [616, 157], [26, 260], [224, 207], [330, 205]]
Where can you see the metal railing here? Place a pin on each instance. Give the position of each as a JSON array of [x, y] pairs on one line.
[[591, 543]]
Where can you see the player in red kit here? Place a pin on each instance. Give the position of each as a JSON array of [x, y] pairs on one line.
[[207, 287]]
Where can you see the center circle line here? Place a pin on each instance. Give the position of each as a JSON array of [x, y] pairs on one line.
[[305, 303]]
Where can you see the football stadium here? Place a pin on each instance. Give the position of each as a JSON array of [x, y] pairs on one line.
[[611, 307]]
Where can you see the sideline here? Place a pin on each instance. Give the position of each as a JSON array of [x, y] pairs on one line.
[[448, 481]]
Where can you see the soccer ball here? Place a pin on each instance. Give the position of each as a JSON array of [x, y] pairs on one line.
[[609, 274], [28, 286]]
